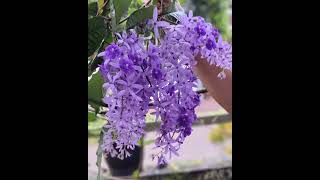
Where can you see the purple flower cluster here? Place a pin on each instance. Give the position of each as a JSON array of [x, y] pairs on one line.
[[139, 72], [205, 40]]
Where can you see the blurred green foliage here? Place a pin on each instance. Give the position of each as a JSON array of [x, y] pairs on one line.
[[220, 132], [174, 177], [182, 2]]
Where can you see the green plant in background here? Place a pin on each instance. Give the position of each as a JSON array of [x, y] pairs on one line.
[[182, 2], [94, 127], [215, 11], [220, 132], [174, 177], [136, 174], [228, 149]]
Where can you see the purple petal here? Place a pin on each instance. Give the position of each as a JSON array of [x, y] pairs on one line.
[[157, 115], [155, 14], [120, 81], [156, 32], [117, 75], [173, 150], [137, 68], [101, 54], [121, 93], [114, 64], [137, 86], [106, 85], [135, 96], [166, 104], [109, 77]]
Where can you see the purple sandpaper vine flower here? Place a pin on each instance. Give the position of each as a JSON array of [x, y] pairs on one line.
[[211, 44], [139, 71], [126, 65], [200, 30], [112, 51], [157, 73]]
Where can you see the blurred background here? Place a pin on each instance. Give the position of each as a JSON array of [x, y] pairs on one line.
[[207, 153]]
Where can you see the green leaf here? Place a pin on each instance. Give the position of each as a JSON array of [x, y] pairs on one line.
[[136, 174], [97, 124], [100, 3], [134, 6], [121, 8], [95, 90], [97, 30], [139, 2], [96, 62], [92, 9], [182, 1], [91, 1], [139, 16], [139, 143], [113, 16], [99, 155], [91, 116], [93, 60]]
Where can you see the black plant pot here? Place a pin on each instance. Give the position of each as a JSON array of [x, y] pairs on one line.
[[128, 165]]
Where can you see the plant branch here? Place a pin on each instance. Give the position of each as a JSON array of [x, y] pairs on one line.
[[123, 20], [147, 77]]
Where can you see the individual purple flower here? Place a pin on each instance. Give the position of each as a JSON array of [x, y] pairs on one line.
[[130, 87], [157, 24], [200, 30], [211, 44], [126, 65], [157, 74], [135, 58], [187, 131], [153, 52], [112, 51], [215, 32]]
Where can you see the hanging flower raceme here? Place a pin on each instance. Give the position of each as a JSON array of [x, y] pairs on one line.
[[139, 73]]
